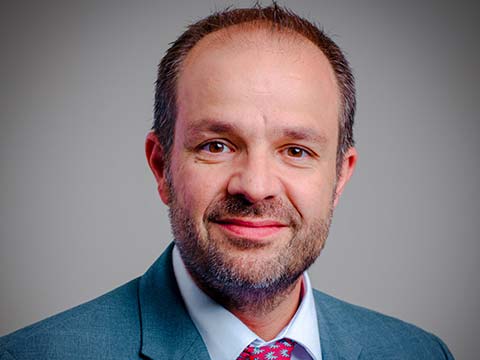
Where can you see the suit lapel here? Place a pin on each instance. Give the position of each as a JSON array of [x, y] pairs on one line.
[[167, 330], [335, 338]]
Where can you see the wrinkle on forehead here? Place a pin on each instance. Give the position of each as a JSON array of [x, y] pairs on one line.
[[289, 131]]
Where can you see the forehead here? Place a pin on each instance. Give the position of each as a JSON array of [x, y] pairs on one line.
[[242, 69]]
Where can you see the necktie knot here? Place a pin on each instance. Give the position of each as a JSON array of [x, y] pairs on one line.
[[279, 350]]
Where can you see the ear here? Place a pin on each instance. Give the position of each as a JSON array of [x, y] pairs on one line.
[[156, 160], [346, 172]]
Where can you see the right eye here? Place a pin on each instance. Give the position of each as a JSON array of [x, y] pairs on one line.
[[215, 147]]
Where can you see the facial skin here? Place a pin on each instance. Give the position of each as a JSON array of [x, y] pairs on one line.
[[252, 179]]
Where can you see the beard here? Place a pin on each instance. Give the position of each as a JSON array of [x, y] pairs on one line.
[[239, 281]]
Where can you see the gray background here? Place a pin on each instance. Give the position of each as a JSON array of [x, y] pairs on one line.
[[79, 212]]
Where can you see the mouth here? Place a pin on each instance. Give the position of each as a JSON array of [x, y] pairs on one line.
[[251, 229]]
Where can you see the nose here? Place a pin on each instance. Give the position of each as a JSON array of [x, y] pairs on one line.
[[255, 178]]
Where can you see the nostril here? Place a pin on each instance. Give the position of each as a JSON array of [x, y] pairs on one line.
[[242, 200]]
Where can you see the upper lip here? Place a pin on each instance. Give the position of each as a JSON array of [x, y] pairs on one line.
[[251, 222]]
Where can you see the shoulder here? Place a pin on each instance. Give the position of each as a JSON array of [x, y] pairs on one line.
[[379, 335], [79, 333]]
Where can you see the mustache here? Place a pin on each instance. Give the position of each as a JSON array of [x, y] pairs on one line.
[[239, 206]]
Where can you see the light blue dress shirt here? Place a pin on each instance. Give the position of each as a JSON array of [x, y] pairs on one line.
[[225, 336]]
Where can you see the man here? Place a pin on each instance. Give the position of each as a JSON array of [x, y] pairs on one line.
[[251, 149]]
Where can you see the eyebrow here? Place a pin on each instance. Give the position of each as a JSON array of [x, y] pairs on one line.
[[212, 125], [303, 133], [290, 132]]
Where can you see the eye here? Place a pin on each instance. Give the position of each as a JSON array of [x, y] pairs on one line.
[[215, 147], [296, 152]]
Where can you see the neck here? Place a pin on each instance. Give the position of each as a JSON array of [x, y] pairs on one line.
[[267, 321]]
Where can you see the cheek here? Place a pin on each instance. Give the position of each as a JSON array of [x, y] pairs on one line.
[[311, 196], [196, 188]]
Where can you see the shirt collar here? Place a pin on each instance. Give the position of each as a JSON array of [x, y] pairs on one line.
[[225, 336]]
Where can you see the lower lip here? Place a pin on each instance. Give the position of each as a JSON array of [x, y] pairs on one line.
[[251, 232]]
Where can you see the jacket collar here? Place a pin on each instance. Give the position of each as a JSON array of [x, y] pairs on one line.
[[336, 337], [166, 328]]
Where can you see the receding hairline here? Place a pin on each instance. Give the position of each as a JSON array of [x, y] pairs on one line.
[[253, 32], [266, 26]]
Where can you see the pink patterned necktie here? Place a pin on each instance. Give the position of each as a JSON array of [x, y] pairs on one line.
[[281, 349]]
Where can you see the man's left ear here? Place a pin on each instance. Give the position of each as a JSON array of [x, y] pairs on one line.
[[156, 160], [346, 172]]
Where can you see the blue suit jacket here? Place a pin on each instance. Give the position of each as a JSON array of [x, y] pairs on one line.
[[146, 319]]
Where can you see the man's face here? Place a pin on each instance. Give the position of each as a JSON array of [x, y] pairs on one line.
[[252, 178]]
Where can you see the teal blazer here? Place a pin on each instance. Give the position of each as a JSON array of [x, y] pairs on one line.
[[147, 319]]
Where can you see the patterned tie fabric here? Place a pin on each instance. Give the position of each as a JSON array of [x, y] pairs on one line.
[[281, 349]]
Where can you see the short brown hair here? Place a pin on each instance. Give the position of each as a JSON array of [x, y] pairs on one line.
[[280, 19]]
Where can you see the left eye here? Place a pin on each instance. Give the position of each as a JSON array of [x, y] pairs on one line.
[[215, 147], [296, 152]]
